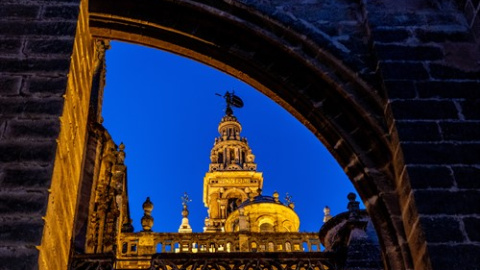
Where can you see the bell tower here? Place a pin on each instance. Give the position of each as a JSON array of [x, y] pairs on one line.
[[232, 177]]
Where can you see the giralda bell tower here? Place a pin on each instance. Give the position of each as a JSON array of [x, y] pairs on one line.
[[232, 177]]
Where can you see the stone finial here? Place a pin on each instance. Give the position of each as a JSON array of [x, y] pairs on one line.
[[353, 206], [185, 200], [275, 196], [326, 214], [121, 154], [185, 212], [101, 46], [147, 219], [185, 226]]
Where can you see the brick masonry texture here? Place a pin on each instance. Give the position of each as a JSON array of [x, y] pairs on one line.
[[420, 58], [34, 62]]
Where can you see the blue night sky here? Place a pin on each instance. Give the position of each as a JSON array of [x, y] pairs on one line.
[[164, 109]]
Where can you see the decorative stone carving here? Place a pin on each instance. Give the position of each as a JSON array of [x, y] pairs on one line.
[[147, 219]]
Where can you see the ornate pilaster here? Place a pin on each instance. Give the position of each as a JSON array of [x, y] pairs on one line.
[[109, 211]]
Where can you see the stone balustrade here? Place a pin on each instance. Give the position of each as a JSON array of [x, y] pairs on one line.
[[149, 243]]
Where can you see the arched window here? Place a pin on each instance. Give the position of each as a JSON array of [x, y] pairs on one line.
[[266, 227], [159, 247], [288, 246], [253, 246], [271, 246]]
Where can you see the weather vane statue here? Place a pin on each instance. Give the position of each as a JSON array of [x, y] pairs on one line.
[[232, 100], [185, 199], [288, 198]]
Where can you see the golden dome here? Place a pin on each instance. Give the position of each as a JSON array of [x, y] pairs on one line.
[[263, 214]]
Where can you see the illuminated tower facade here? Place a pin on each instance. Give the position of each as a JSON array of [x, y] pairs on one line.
[[232, 176], [232, 186]]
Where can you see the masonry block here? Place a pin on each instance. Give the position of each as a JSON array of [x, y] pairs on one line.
[[24, 203], [455, 34], [424, 109], [19, 11], [461, 131], [442, 229], [408, 53], [32, 129], [387, 35], [30, 107], [425, 177], [448, 89], [476, 25], [18, 258], [47, 86], [57, 66], [10, 85], [28, 230], [418, 131], [26, 177], [62, 12], [49, 47], [22, 28], [441, 153], [458, 257], [469, 11], [437, 202], [471, 109], [24, 151], [11, 46], [440, 71], [405, 71], [472, 225], [467, 176], [400, 89]]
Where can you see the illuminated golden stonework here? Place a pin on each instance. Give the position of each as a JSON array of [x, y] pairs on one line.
[[232, 188], [240, 218]]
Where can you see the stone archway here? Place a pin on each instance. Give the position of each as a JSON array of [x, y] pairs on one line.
[[406, 72], [343, 110]]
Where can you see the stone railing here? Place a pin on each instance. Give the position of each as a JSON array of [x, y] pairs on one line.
[[245, 260], [92, 262], [149, 243]]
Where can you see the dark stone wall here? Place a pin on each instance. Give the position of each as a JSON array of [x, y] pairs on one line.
[[421, 57], [431, 73], [36, 42]]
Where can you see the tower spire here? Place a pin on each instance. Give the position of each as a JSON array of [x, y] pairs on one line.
[[185, 226], [232, 173], [231, 151]]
